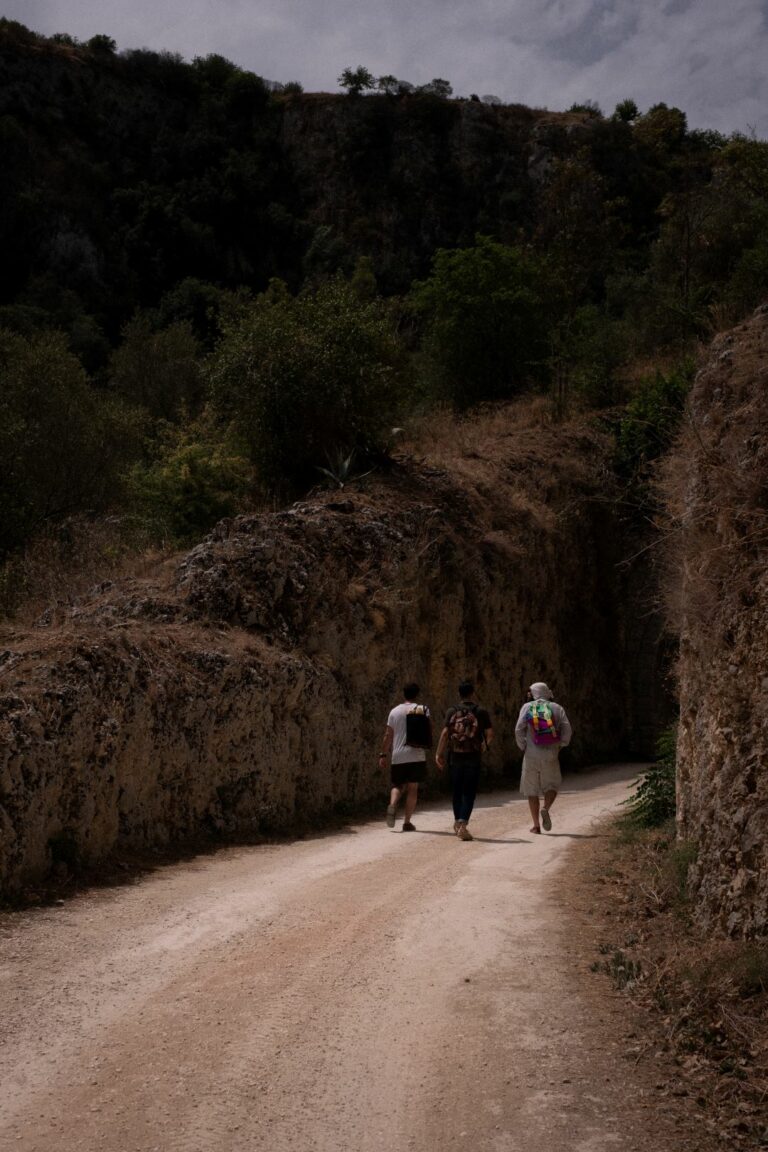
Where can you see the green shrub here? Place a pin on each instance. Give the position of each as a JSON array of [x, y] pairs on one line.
[[198, 306], [195, 477], [63, 445], [683, 854], [158, 370], [587, 350], [485, 322], [748, 285], [649, 427], [654, 801], [622, 969], [301, 376]]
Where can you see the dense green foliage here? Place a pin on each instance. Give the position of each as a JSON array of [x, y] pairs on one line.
[[648, 426], [195, 475], [157, 370], [430, 250], [299, 375], [486, 321], [654, 802], [62, 444]]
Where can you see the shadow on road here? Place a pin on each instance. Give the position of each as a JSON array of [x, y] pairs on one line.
[[478, 839], [492, 840], [575, 835]]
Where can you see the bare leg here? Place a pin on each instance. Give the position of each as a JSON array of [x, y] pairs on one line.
[[549, 799], [394, 797], [411, 795], [533, 804]]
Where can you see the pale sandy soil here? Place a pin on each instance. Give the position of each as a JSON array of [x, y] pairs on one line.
[[362, 990]]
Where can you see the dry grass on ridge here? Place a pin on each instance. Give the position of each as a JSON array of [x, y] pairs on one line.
[[519, 440], [53, 571]]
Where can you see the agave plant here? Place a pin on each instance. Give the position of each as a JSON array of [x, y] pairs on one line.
[[339, 470]]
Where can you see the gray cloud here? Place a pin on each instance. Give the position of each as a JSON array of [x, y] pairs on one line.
[[702, 55]]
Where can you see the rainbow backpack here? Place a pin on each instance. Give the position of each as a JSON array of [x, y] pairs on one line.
[[542, 723]]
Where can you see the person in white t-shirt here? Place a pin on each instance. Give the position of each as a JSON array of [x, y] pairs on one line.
[[408, 762]]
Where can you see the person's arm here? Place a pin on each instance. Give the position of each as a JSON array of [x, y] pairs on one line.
[[521, 729], [386, 745], [487, 725], [440, 753], [565, 730]]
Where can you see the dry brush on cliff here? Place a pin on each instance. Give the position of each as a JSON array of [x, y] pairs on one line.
[[716, 484]]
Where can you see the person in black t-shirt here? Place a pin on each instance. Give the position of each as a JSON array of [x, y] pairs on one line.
[[467, 728]]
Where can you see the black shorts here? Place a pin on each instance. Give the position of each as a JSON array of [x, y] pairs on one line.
[[414, 772]]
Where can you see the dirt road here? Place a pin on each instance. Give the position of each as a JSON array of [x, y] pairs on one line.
[[363, 990]]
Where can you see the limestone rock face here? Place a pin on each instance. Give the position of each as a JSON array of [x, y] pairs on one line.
[[717, 486], [246, 689]]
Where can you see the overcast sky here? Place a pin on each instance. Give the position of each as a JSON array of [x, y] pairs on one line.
[[708, 57]]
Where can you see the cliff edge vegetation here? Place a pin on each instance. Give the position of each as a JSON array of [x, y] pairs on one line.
[[242, 687]]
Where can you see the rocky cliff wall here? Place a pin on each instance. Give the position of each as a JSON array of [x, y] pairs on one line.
[[717, 487], [245, 688]]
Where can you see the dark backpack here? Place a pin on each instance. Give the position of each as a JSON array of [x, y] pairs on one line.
[[418, 727], [464, 733]]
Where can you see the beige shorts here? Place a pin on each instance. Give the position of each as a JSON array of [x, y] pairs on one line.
[[538, 779]]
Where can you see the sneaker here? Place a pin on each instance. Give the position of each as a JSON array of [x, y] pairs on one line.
[[455, 826], [546, 820], [463, 832], [391, 809], [408, 827]]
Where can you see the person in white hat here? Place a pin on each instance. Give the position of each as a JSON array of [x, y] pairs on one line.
[[542, 729]]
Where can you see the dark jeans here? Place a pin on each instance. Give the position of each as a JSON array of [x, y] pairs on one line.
[[465, 774]]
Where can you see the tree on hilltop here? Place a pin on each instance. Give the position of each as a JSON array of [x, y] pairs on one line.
[[102, 45], [357, 80], [392, 86], [627, 111], [437, 87]]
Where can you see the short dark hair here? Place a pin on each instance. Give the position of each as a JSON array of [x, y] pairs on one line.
[[411, 690], [466, 688]]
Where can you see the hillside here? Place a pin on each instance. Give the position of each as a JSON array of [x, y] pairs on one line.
[[243, 690], [479, 324], [174, 232], [141, 167], [127, 174]]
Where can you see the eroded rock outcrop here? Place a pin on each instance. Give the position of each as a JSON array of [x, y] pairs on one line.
[[246, 689], [717, 485]]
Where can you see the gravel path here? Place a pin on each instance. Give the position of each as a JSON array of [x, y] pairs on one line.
[[362, 990]]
